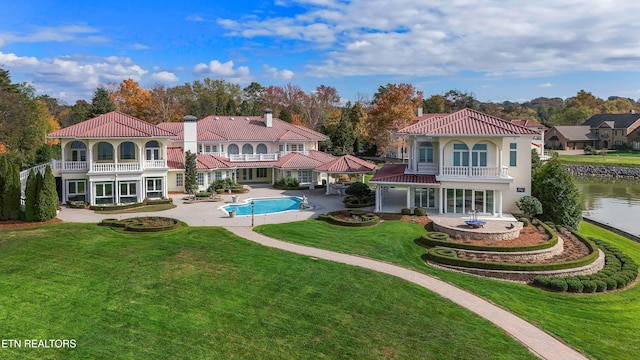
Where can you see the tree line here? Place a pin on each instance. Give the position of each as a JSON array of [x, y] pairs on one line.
[[363, 125]]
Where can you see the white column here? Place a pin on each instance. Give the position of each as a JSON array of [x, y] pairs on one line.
[[499, 160], [92, 193], [378, 198], [140, 157], [64, 189], [89, 156], [441, 200], [440, 161], [273, 176], [142, 194], [62, 155], [499, 203], [328, 176]]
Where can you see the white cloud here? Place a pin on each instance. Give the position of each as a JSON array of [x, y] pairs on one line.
[[165, 77], [278, 74], [224, 70], [65, 33], [75, 76], [196, 18], [138, 46], [419, 38], [546, 85]]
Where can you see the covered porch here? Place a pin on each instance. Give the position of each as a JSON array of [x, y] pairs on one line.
[[344, 165]]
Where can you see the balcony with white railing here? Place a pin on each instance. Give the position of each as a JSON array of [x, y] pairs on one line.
[[70, 165], [115, 168], [252, 157], [155, 164], [475, 172], [427, 168], [283, 153]]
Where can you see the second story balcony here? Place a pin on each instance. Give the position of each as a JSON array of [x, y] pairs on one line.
[[253, 157], [107, 167], [475, 171]]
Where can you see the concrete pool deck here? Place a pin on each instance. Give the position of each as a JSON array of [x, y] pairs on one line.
[[207, 213]]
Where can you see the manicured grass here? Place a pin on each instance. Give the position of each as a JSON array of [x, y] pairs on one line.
[[145, 208], [611, 159], [603, 326], [202, 292]]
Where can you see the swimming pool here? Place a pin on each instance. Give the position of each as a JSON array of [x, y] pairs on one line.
[[262, 206]]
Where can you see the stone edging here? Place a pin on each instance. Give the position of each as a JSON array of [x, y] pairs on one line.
[[541, 254], [527, 276], [479, 234]]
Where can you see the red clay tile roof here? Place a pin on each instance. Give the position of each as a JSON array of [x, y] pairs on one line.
[[111, 125], [466, 122], [297, 161], [175, 160], [320, 156], [394, 173], [253, 129], [347, 164]]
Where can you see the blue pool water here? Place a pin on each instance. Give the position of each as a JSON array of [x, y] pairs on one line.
[[265, 206]]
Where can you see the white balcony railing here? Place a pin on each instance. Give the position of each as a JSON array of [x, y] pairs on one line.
[[283, 153], [465, 171], [253, 157], [155, 164], [428, 168], [69, 165], [111, 167], [215, 153]]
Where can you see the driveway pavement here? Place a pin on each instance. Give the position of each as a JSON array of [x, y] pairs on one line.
[[537, 341]]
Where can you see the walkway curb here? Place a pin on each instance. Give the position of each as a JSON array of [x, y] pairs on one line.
[[537, 341]]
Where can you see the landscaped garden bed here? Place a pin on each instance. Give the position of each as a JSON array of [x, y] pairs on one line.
[[353, 218], [144, 224]]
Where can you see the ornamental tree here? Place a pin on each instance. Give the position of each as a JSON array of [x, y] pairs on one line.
[[560, 198], [529, 205], [190, 172], [359, 190]]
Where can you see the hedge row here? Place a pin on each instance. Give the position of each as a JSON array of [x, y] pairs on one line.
[[429, 239], [619, 270], [435, 255], [367, 219], [131, 205], [136, 224]]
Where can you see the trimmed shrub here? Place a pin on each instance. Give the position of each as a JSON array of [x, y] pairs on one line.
[[420, 211], [524, 221], [574, 285], [589, 286], [287, 184], [558, 284], [405, 211], [601, 285], [31, 197], [446, 252], [353, 218], [542, 281], [47, 203], [437, 236], [203, 194]]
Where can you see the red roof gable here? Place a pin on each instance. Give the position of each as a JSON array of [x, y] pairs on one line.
[[111, 125], [466, 122], [347, 164]]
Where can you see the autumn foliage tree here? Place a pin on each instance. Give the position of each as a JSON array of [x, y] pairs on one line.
[[131, 99], [394, 108]]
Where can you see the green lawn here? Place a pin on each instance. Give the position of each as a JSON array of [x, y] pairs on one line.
[[603, 326], [611, 159], [201, 292]]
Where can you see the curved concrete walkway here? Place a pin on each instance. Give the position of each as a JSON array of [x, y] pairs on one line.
[[537, 341]]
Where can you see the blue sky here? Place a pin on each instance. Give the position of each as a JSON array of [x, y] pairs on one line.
[[497, 49]]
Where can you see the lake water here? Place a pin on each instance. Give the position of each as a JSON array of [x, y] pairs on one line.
[[612, 201]]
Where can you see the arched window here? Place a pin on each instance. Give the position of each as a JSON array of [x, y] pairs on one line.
[[261, 149], [105, 151], [127, 151], [425, 152], [78, 151], [460, 154], [247, 149], [233, 149], [479, 155], [152, 150]]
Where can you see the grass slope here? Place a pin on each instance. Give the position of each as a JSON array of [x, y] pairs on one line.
[[201, 292], [603, 326], [611, 159]]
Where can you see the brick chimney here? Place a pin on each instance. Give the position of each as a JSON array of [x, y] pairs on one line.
[[268, 118], [190, 134], [419, 111]]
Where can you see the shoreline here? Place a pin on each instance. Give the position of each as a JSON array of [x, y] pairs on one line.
[[611, 228]]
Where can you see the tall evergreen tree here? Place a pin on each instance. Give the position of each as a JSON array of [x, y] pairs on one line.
[[11, 200], [102, 102], [31, 196], [47, 197], [190, 172], [560, 198], [3, 182]]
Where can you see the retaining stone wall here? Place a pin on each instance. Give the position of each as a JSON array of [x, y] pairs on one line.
[[479, 234], [600, 170]]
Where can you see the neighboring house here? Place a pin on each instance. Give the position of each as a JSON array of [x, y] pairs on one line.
[[116, 158], [575, 137], [603, 131], [613, 130], [538, 140], [460, 163]]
